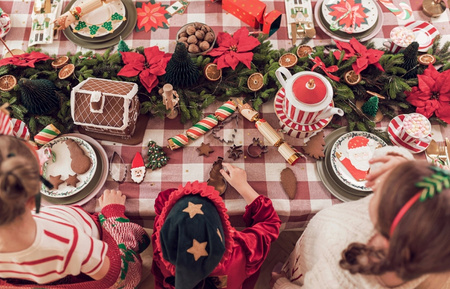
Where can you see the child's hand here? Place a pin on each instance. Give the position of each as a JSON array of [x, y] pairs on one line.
[[237, 177], [380, 166], [111, 197]]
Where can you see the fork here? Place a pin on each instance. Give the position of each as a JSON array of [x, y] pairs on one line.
[[442, 153]]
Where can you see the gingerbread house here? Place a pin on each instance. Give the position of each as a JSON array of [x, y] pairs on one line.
[[106, 106]]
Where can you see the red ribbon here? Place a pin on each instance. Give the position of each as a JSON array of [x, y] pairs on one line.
[[319, 63]]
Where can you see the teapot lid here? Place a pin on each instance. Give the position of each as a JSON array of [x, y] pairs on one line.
[[309, 89]]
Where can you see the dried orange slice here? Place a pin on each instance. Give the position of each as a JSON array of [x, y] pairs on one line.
[[60, 62], [426, 59], [352, 78], [7, 82], [211, 72], [304, 50], [288, 60], [66, 71], [255, 81]]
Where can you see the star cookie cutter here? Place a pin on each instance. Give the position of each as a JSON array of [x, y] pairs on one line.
[[256, 149]]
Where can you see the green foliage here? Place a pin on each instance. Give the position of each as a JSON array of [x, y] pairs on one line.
[[389, 83]]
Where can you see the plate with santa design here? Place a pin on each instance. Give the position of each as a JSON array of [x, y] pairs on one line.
[[350, 157]]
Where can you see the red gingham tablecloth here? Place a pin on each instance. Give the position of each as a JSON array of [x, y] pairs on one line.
[[185, 164]]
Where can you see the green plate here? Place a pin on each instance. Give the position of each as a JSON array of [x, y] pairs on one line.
[[108, 40]]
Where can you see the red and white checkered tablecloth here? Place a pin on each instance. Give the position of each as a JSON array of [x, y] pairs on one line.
[[185, 164]]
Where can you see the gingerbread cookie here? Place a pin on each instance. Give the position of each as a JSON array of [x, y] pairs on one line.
[[80, 162], [205, 149], [288, 182], [72, 180], [315, 146], [55, 181]]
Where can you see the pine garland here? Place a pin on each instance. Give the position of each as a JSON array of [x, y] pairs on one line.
[[390, 84]]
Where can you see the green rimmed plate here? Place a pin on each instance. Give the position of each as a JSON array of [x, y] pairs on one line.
[[61, 165], [94, 187], [108, 40]]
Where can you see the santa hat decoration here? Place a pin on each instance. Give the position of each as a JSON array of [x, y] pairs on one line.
[[137, 168], [357, 142]]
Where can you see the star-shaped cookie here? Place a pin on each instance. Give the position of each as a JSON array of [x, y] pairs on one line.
[[193, 209], [205, 149], [72, 180], [55, 181], [198, 249]]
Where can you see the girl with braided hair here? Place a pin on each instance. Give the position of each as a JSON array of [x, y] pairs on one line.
[[397, 237], [61, 246]]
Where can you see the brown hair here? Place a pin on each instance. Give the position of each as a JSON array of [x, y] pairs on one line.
[[420, 243], [19, 177]]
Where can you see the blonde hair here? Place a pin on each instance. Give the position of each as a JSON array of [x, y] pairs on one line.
[[419, 244], [19, 177]]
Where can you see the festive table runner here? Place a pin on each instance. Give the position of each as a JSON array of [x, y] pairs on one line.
[[185, 164]]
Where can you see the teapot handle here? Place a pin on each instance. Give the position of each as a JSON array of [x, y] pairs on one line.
[[280, 72]]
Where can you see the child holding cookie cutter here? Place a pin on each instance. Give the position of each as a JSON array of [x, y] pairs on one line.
[[395, 237], [61, 246], [194, 245]]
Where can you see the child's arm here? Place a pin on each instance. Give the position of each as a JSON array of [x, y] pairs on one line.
[[237, 177], [260, 217]]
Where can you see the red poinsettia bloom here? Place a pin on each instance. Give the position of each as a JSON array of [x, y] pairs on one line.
[[148, 71], [234, 49], [151, 16], [364, 56], [352, 13], [432, 95], [25, 59]]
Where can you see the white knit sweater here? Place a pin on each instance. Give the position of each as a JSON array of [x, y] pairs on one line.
[[317, 253]]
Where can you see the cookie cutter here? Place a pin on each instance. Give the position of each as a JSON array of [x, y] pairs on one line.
[[257, 145], [234, 152], [217, 128]]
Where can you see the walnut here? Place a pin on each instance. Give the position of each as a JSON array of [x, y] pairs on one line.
[[183, 34], [192, 39], [190, 30], [198, 25], [199, 34], [204, 45], [193, 48], [209, 37], [206, 28], [182, 39]]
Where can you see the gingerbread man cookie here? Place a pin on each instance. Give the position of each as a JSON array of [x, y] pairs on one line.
[[80, 162]]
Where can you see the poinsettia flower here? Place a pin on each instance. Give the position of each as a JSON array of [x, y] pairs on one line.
[[349, 12], [25, 59], [234, 49], [364, 56], [151, 16], [432, 95], [149, 67]]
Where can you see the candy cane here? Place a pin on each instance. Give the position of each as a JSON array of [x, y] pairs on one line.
[[404, 13]]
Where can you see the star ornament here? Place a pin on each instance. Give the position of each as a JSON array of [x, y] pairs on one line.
[[193, 209], [198, 249]]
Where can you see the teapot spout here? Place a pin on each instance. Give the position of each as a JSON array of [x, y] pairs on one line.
[[330, 111]]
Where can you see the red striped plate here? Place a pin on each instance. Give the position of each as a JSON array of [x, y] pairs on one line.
[[425, 34]]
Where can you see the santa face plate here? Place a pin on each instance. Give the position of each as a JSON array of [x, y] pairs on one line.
[[350, 157]]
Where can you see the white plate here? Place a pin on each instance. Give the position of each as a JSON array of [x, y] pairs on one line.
[[425, 34], [101, 21], [366, 14], [357, 179], [62, 167]]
